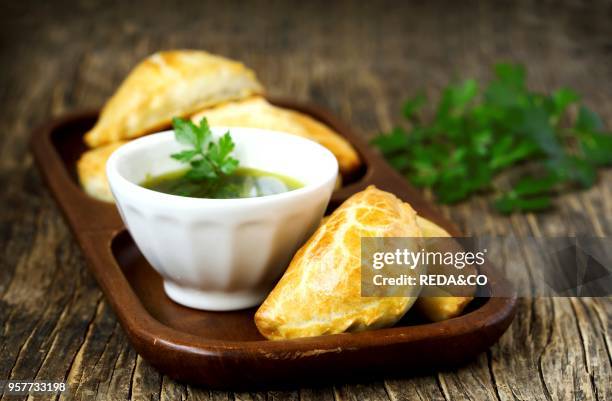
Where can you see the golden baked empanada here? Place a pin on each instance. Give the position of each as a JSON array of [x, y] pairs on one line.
[[443, 306], [431, 229], [170, 84], [320, 293], [91, 169], [256, 112]]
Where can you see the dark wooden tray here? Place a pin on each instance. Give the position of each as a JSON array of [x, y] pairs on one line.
[[224, 349]]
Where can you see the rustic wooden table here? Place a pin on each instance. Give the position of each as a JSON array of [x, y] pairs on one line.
[[359, 60]]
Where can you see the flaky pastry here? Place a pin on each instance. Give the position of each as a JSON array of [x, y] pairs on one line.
[[91, 168], [443, 305], [257, 112], [170, 84], [320, 291]]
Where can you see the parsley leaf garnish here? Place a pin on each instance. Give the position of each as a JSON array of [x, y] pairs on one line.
[[209, 160], [502, 131]]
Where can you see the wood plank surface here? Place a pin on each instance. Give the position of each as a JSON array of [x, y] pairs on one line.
[[359, 59]]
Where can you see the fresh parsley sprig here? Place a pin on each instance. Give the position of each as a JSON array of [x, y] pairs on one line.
[[477, 136], [209, 160]]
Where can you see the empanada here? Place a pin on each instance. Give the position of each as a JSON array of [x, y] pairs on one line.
[[320, 293], [170, 84], [443, 306], [256, 112], [91, 169]]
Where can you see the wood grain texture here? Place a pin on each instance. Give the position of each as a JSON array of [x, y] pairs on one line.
[[359, 60]]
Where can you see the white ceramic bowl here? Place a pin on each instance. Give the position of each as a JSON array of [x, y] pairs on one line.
[[222, 254]]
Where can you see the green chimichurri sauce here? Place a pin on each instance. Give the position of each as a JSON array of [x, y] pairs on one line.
[[243, 183]]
